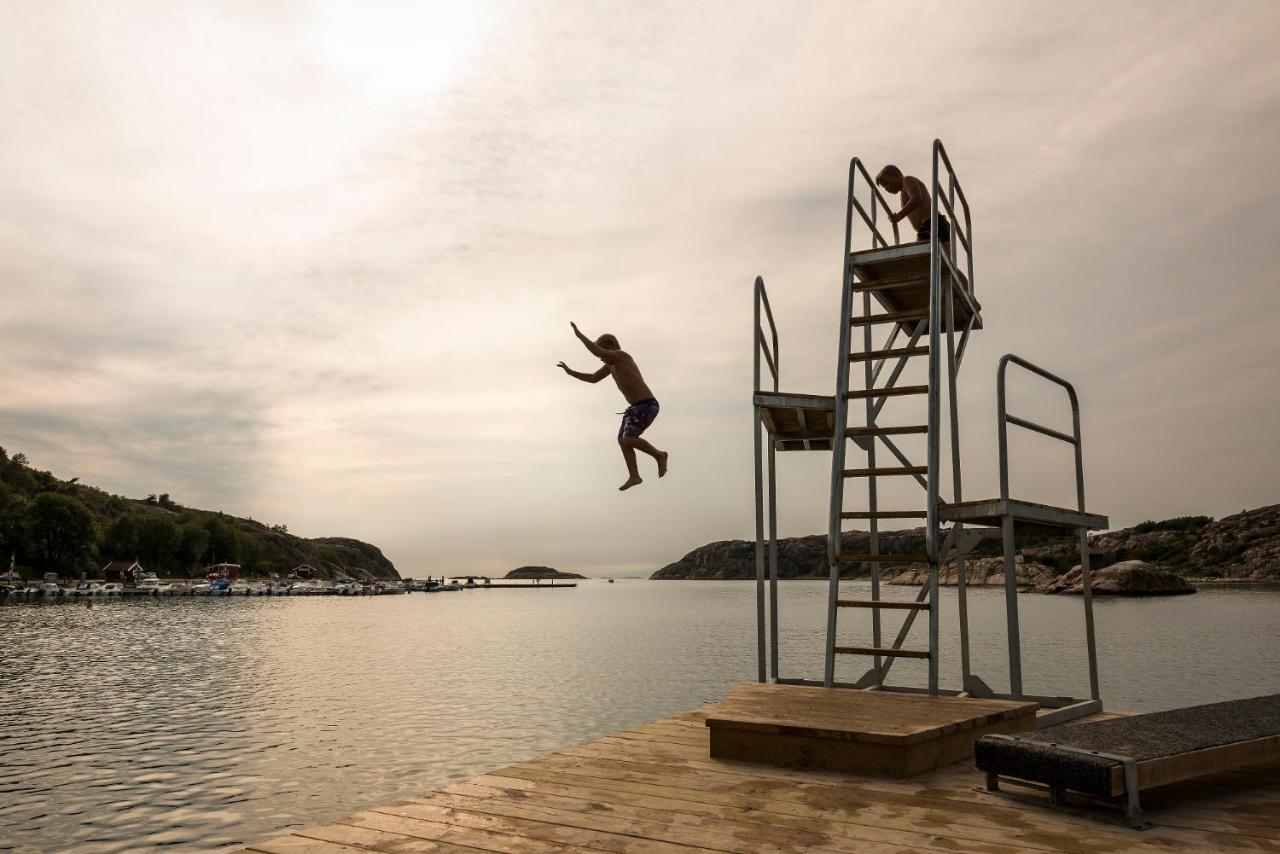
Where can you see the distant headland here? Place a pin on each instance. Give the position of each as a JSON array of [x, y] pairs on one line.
[[1244, 547], [540, 572], [64, 526]]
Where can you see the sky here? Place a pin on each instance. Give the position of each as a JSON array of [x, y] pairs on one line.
[[315, 262]]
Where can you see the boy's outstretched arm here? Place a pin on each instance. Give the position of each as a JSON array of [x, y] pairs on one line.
[[586, 378], [596, 350]]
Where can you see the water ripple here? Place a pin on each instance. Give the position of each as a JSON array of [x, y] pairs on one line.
[[203, 724]]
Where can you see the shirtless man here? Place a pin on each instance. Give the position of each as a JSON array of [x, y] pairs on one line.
[[915, 203], [642, 407]]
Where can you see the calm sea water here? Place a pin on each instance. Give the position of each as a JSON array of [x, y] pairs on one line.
[[208, 723]]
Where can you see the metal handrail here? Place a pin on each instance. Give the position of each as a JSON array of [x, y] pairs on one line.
[[763, 348], [1086, 583], [877, 201], [1004, 419]]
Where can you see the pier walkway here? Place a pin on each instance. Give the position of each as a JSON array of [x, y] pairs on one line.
[[654, 788]]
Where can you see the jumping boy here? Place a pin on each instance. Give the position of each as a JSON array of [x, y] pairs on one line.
[[642, 408], [916, 203]]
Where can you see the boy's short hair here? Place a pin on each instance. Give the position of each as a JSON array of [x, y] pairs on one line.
[[889, 171], [608, 342]]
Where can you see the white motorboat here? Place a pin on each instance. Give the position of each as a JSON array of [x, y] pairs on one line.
[[201, 588], [50, 590], [147, 584], [257, 588], [239, 588], [86, 588], [112, 588]]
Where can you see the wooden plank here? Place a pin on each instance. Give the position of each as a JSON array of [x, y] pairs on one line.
[[750, 821], [302, 845], [882, 603], [549, 825], [1198, 763], [367, 838], [471, 838]]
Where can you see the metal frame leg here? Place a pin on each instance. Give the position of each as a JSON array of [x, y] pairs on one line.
[[1086, 581], [773, 564], [1011, 608], [760, 627]]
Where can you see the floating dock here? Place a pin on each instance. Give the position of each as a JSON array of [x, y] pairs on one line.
[[656, 788]]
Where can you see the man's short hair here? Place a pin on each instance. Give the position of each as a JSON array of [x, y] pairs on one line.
[[608, 342], [889, 171]]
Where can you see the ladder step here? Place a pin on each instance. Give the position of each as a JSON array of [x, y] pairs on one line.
[[880, 603], [892, 391], [887, 652], [886, 472], [892, 353], [858, 432], [899, 558], [892, 317], [889, 284], [885, 514]]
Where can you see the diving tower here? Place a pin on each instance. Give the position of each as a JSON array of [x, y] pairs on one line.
[[878, 427]]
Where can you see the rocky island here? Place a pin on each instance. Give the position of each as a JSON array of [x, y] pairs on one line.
[[1166, 556], [540, 572]]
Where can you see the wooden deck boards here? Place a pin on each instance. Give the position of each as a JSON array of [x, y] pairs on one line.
[[654, 788]]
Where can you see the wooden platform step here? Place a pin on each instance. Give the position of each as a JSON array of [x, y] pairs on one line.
[[892, 391], [886, 472], [860, 432], [884, 514], [896, 558], [890, 317], [892, 353], [882, 603], [883, 651], [880, 285]]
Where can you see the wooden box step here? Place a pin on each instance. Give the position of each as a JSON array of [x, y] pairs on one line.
[[859, 432], [885, 651], [886, 472], [859, 732], [884, 514], [882, 603], [891, 391], [891, 353], [897, 558]]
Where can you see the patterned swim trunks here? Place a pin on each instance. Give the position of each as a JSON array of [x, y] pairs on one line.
[[637, 417]]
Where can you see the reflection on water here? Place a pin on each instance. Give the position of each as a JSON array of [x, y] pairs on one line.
[[207, 723]]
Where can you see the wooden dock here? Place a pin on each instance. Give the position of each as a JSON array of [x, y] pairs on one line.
[[655, 788]]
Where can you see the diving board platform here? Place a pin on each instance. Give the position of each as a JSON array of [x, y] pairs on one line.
[[898, 278], [1028, 517], [1122, 756], [798, 422], [866, 732]]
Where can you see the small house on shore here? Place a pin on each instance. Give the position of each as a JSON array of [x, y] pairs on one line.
[[219, 571], [122, 571], [304, 572]]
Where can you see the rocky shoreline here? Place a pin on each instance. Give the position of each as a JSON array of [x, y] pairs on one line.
[[1164, 557]]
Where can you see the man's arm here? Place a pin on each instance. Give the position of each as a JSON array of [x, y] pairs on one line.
[[607, 356], [586, 378], [917, 197]]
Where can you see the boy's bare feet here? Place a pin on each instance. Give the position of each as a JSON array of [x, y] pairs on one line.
[[634, 480], [662, 464]]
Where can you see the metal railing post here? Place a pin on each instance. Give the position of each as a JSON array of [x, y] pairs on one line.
[[759, 442], [838, 442]]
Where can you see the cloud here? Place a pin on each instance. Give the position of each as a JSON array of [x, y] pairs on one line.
[[314, 263]]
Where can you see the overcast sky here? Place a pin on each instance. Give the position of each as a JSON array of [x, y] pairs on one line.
[[314, 262]]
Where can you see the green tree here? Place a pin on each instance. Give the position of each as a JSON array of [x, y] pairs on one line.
[[224, 545], [13, 509], [193, 541], [158, 538], [120, 541], [59, 531]]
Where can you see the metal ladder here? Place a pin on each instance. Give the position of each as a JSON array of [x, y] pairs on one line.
[[887, 277]]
